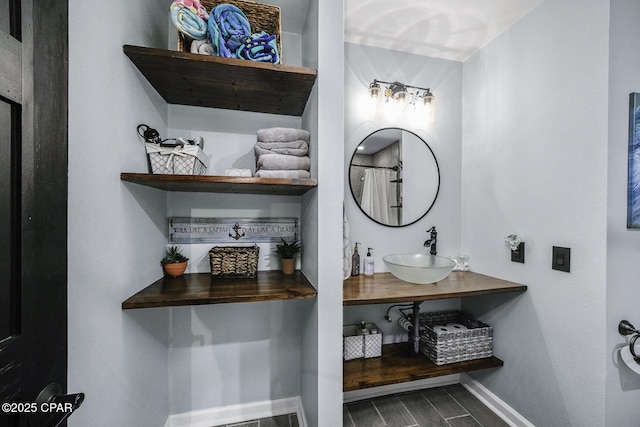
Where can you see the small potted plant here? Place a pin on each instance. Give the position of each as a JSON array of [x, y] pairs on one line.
[[287, 252], [174, 262]]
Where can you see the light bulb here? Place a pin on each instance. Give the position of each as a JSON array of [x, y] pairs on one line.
[[374, 90], [427, 98], [400, 96]]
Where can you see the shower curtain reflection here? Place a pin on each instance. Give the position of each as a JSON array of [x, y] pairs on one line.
[[379, 196]]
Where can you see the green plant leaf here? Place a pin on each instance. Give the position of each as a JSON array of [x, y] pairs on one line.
[[173, 255], [288, 250]]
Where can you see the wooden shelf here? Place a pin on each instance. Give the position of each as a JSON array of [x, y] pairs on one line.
[[209, 81], [386, 288], [203, 288], [400, 364], [222, 184]]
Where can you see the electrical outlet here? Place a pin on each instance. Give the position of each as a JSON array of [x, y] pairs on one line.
[[518, 254], [561, 259]]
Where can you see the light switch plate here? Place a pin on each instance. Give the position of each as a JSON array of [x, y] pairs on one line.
[[518, 254], [561, 260]]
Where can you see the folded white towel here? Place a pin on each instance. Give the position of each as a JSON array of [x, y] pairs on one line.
[[294, 148], [283, 162], [237, 172], [283, 135], [293, 174], [202, 47]]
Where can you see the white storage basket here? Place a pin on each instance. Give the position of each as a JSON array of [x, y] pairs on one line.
[[358, 345], [187, 160], [353, 342], [372, 341]]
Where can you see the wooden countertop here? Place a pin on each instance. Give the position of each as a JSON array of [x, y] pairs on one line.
[[203, 288], [386, 288]]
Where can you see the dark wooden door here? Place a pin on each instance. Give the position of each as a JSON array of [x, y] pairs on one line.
[[33, 212]]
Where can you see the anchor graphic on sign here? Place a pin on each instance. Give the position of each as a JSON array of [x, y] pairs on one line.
[[238, 235]]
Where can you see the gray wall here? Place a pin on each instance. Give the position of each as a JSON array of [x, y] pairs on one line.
[[535, 163], [321, 345], [139, 366], [116, 231], [236, 353], [310, 343], [231, 353], [623, 293], [362, 65]]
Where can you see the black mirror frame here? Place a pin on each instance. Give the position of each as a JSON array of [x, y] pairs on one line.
[[437, 167]]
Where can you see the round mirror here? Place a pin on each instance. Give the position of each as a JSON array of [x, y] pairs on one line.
[[394, 177]]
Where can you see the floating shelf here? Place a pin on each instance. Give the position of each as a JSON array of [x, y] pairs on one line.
[[203, 288], [222, 184], [386, 288], [235, 84], [400, 364]]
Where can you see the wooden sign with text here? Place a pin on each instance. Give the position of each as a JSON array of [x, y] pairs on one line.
[[218, 230]]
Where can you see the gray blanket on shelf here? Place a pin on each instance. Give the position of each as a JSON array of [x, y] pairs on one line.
[[283, 162], [293, 174], [283, 135], [294, 148]]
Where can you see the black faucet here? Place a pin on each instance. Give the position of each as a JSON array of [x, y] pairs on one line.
[[433, 240]]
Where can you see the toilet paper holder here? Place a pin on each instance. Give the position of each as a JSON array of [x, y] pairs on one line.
[[626, 328]]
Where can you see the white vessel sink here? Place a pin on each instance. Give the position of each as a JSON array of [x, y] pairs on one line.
[[419, 268]]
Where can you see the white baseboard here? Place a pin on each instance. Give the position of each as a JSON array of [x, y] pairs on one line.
[[239, 413], [497, 405], [369, 393], [271, 408]]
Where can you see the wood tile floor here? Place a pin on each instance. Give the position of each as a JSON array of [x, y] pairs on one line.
[[449, 406]]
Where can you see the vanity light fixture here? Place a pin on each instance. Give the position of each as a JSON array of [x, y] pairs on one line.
[[401, 93]]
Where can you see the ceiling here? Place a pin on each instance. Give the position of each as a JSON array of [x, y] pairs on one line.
[[448, 29], [379, 140]]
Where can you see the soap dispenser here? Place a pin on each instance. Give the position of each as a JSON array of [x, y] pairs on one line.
[[368, 264], [355, 262]]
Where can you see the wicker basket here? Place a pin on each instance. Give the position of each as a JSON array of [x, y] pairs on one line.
[[234, 261], [262, 17], [454, 336]]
